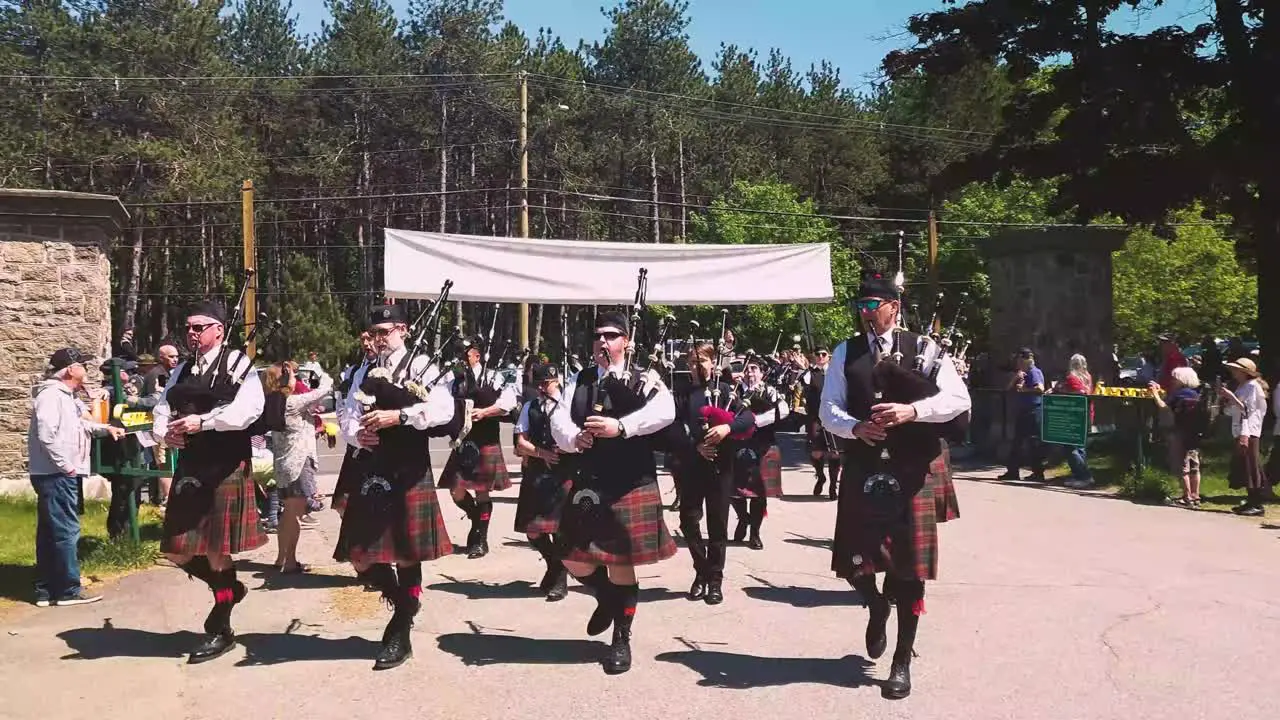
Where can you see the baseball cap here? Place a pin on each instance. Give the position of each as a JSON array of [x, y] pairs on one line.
[[65, 358]]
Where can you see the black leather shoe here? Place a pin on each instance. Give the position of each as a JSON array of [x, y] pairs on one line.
[[478, 549], [833, 492], [755, 543], [698, 590], [559, 587], [715, 595], [619, 660], [877, 640], [898, 686], [602, 618], [214, 645], [395, 650]]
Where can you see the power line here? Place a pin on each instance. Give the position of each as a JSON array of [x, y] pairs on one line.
[[212, 78]]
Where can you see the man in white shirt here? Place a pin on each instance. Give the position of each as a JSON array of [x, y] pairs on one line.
[[478, 464], [852, 408], [613, 522], [392, 523], [205, 411]]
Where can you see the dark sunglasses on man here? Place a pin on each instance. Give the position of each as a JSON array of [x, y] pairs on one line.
[[608, 335], [870, 304]]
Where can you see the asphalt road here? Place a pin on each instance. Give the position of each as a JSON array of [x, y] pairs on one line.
[[1050, 604]]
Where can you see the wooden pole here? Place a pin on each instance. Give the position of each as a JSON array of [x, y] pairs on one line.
[[524, 191], [250, 265], [933, 267]]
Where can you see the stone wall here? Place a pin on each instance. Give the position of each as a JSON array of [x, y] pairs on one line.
[[55, 291], [1051, 292]]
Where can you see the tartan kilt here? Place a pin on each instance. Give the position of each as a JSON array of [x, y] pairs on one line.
[[910, 552], [490, 474], [770, 476], [220, 521], [631, 531], [542, 500], [411, 530], [944, 489]]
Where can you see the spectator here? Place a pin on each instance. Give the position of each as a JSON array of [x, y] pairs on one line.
[[1079, 382], [1028, 384], [58, 458], [1190, 423], [1171, 357], [1210, 361], [1248, 408], [153, 384], [293, 443]]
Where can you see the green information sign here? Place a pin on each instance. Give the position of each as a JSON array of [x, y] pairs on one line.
[[1065, 420]]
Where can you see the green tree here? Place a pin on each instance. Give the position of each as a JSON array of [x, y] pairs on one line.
[[1142, 124], [311, 318], [773, 213], [1192, 285]]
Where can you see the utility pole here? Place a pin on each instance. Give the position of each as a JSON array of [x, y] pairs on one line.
[[933, 266], [250, 266], [524, 191]]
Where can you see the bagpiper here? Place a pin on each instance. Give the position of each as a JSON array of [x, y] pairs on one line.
[[613, 522], [881, 399], [760, 478], [206, 410], [392, 522], [546, 475]]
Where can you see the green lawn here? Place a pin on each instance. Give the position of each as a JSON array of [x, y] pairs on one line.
[[1111, 470], [99, 557]]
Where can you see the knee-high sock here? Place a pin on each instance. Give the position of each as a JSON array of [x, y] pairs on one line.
[[834, 467], [759, 509], [198, 568], [741, 509], [223, 584], [484, 509], [818, 468], [866, 587], [383, 577], [628, 596], [910, 600], [468, 504], [410, 580], [545, 545]]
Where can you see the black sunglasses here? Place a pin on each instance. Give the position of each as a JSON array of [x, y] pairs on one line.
[[608, 335], [197, 329], [870, 303]]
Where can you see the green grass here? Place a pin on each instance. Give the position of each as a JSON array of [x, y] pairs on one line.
[[100, 558], [1111, 470]]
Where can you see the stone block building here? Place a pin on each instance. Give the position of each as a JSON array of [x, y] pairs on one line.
[[55, 291]]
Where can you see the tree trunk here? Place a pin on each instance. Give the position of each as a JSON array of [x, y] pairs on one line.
[[129, 313], [537, 327], [653, 176], [684, 211], [166, 281], [444, 162]]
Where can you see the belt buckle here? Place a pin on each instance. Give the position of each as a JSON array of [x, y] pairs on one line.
[[183, 483], [375, 484]]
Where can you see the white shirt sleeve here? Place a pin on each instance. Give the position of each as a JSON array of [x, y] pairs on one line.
[[522, 425], [507, 400], [658, 413], [160, 413], [437, 409], [1255, 410], [240, 412], [831, 410], [779, 411], [952, 398], [563, 428], [350, 411]]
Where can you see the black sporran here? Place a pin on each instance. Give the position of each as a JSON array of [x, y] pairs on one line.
[[747, 481]]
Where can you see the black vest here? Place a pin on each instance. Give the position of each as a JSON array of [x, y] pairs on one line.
[[913, 445], [759, 403], [612, 466], [209, 456], [539, 433], [465, 386]]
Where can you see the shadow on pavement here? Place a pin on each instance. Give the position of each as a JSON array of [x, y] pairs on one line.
[[477, 590], [275, 580], [486, 649], [647, 594], [801, 597], [820, 543], [109, 641], [737, 671]]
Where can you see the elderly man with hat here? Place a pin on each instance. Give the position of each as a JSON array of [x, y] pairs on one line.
[[57, 461], [546, 475], [392, 522], [613, 521], [478, 465], [886, 518], [205, 411]]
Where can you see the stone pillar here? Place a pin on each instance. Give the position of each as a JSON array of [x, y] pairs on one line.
[[55, 291], [1051, 292]]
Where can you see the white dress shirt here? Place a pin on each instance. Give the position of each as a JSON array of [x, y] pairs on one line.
[[952, 398], [507, 399], [548, 407], [1247, 421], [436, 410], [236, 415], [658, 413]]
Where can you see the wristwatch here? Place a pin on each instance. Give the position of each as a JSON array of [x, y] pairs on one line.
[[622, 430], [404, 418]]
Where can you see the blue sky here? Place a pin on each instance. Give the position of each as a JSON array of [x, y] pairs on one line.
[[853, 34]]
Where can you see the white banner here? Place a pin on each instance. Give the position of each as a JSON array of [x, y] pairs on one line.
[[572, 272]]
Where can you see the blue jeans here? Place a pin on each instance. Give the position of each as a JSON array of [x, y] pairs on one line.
[[1078, 461], [57, 533], [1026, 442]]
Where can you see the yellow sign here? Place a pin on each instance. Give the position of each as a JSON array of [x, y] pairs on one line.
[[1127, 392]]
